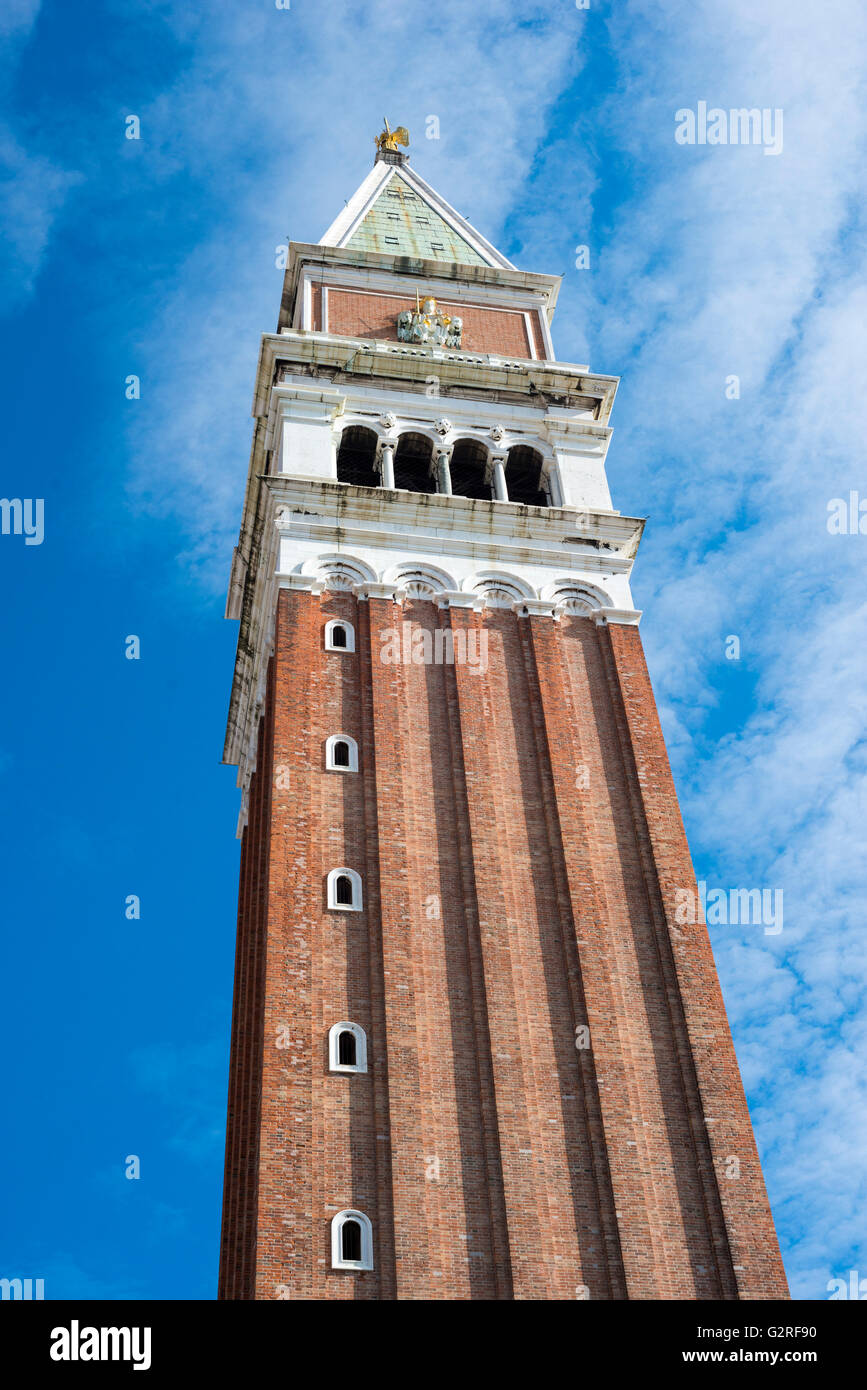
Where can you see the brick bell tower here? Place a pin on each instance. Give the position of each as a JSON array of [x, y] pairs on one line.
[[475, 1054]]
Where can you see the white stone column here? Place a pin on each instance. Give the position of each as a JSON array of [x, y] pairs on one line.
[[386, 448], [386, 464], [498, 476], [443, 428], [444, 477]]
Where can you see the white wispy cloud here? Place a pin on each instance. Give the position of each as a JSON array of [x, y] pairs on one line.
[[34, 186]]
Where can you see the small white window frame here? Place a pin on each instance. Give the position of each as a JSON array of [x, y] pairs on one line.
[[334, 1062], [330, 764], [357, 903], [350, 635], [337, 1224]]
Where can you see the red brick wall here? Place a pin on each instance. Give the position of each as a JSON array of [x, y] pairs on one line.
[[238, 1242], [535, 325], [520, 844], [706, 1058], [360, 315]]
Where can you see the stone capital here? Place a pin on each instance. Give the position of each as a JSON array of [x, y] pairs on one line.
[[458, 598], [375, 590], [535, 607], [313, 404], [301, 583]]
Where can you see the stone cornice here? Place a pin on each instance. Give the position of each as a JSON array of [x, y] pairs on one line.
[[498, 532], [446, 288], [544, 384], [444, 272]]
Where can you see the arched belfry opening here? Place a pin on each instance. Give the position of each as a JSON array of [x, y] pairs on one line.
[[467, 466], [413, 461], [524, 476], [356, 457]]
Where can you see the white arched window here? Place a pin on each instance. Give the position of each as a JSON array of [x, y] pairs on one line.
[[339, 636], [344, 890], [351, 1241], [347, 1047], [341, 753]]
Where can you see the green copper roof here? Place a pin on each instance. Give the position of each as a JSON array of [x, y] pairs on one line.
[[400, 223]]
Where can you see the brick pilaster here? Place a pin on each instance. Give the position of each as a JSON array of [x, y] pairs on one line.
[[737, 1209]]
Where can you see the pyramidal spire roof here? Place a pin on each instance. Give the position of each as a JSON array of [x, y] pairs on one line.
[[397, 213]]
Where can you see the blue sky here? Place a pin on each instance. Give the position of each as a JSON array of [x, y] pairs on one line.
[[156, 258]]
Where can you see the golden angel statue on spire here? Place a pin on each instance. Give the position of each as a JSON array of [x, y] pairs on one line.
[[390, 139]]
